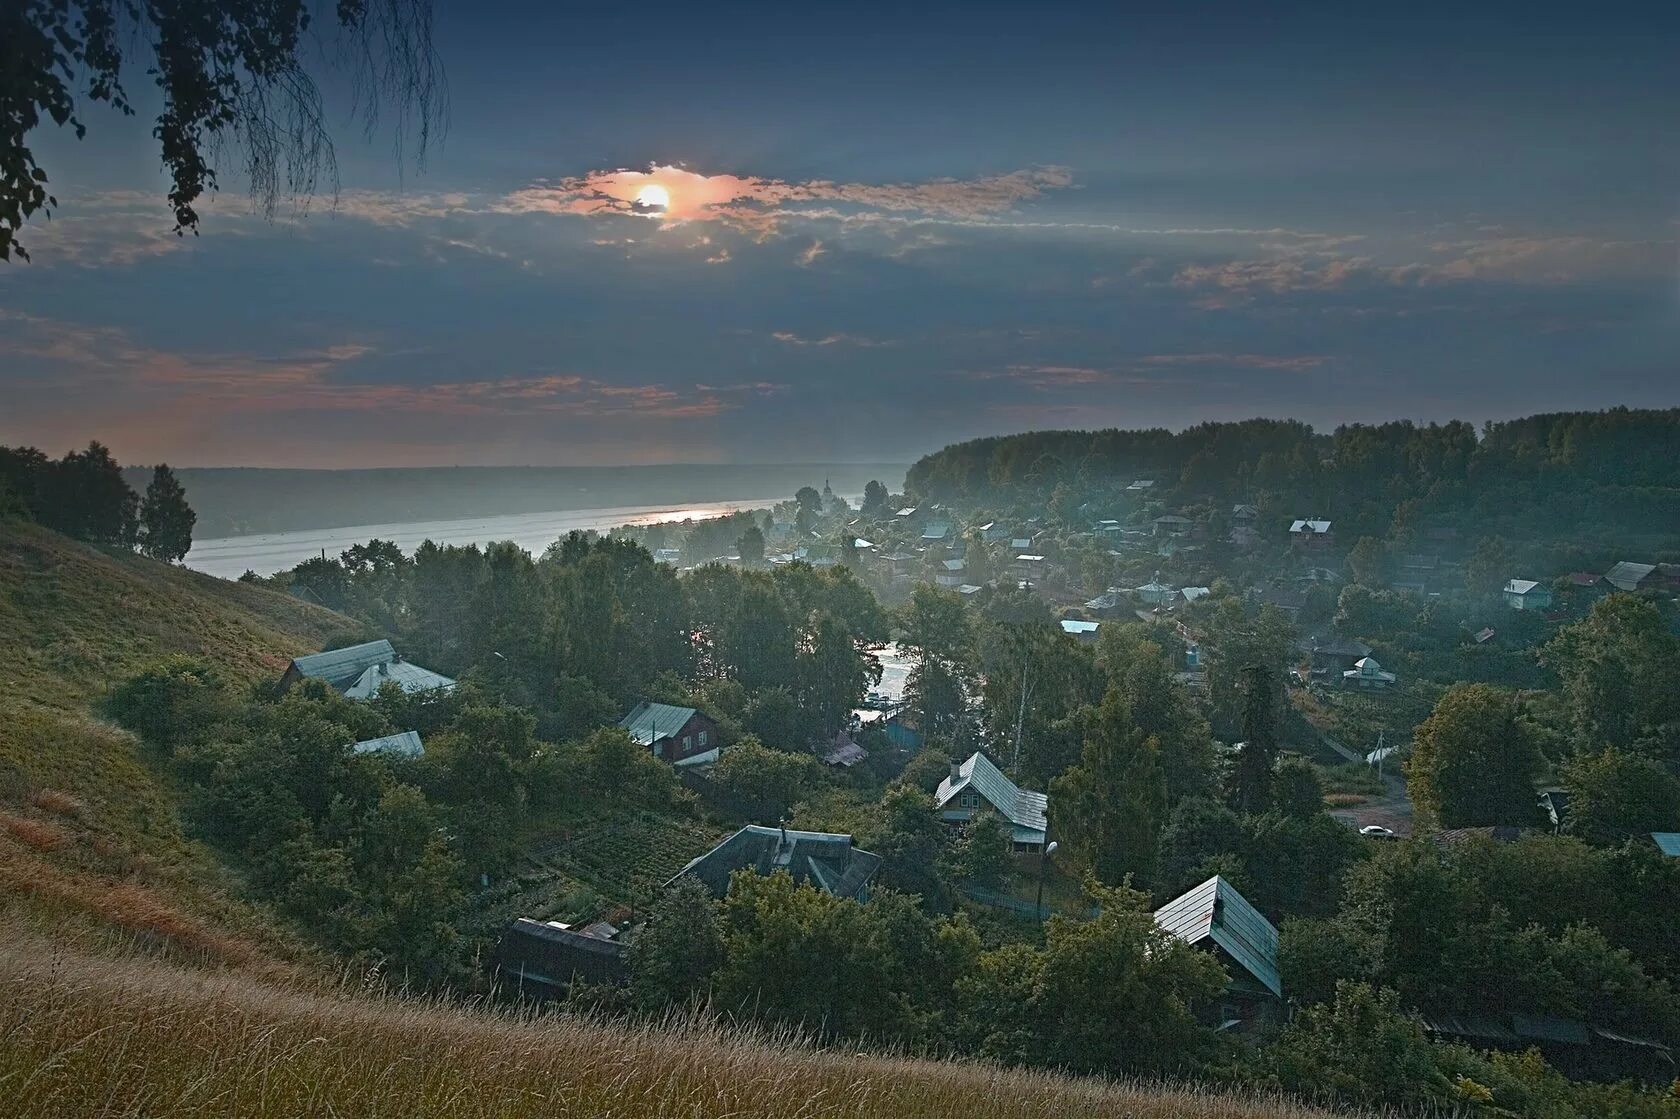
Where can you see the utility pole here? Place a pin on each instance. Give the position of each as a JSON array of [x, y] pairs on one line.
[[1020, 718]]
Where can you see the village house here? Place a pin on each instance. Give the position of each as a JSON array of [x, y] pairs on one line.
[[842, 751], [825, 860], [679, 735], [403, 745], [359, 671], [1333, 655], [936, 532], [546, 957], [1156, 593], [950, 573], [1245, 538], [977, 787], [1526, 594], [1215, 916], [1311, 534], [1029, 567], [992, 531], [1141, 485], [1245, 515], [1084, 632], [1171, 524], [1106, 603], [1367, 673], [1631, 577]]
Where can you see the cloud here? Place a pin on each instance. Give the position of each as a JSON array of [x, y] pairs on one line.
[[759, 206], [104, 363], [789, 338], [809, 255]]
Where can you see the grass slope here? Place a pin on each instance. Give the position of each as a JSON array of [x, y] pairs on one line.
[[89, 834], [89, 1036]]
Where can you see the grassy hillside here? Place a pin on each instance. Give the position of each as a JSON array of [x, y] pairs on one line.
[[89, 834], [86, 1036]]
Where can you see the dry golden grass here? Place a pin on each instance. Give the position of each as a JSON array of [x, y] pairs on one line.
[[89, 833], [87, 1036]]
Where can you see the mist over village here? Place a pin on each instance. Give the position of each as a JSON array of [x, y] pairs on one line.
[[994, 561]]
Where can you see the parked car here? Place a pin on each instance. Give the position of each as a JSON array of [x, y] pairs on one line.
[[1376, 831]]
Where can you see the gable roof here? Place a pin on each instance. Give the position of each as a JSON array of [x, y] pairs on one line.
[[1215, 911], [1023, 808], [409, 677], [1075, 628], [1627, 576], [341, 667], [648, 722], [1520, 586], [1314, 527], [406, 744], [826, 860]]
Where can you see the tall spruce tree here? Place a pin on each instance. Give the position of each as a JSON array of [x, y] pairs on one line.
[[165, 517]]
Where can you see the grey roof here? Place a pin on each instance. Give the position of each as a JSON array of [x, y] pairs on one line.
[[1075, 627], [1315, 527], [1023, 808], [341, 667], [406, 743], [1627, 576], [1668, 842], [937, 530], [1215, 911], [826, 860], [1520, 586], [1336, 647], [409, 677], [649, 722]]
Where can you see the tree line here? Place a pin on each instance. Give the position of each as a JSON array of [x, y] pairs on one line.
[[84, 495]]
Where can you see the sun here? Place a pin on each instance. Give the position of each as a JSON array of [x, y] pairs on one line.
[[653, 197]]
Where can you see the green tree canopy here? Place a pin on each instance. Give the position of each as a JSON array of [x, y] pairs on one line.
[[1473, 760]]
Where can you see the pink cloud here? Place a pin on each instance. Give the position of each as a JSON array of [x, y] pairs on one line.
[[758, 205]]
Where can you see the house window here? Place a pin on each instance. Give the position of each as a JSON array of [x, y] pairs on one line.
[[970, 800], [688, 743], [702, 739]]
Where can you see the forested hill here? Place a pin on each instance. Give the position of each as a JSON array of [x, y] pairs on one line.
[[1579, 471]]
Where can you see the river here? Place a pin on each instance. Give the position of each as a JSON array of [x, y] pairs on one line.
[[266, 553]]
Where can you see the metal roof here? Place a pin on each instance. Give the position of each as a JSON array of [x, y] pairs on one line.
[[1318, 527], [1627, 576], [826, 859], [407, 744], [649, 722], [1215, 911], [1668, 842], [1022, 807], [1520, 586], [1075, 627], [340, 667], [410, 677]]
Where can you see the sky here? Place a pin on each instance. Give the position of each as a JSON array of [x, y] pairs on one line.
[[884, 229]]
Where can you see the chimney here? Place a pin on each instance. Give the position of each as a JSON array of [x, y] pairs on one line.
[[956, 772]]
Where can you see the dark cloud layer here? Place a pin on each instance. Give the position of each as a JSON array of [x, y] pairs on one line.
[[881, 251]]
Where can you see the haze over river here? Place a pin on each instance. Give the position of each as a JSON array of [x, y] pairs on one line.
[[266, 553]]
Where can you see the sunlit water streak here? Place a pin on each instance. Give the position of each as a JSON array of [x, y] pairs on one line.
[[266, 553]]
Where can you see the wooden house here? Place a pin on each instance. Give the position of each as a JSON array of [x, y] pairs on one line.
[[679, 735]]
